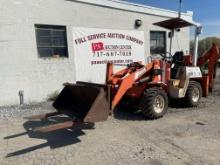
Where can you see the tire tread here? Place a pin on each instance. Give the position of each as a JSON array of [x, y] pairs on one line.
[[188, 97], [148, 100]]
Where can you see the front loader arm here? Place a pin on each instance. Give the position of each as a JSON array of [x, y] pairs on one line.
[[123, 80], [126, 84]]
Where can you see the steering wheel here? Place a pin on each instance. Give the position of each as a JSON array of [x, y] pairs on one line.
[[168, 58]]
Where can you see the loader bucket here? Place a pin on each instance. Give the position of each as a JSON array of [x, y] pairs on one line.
[[86, 103]]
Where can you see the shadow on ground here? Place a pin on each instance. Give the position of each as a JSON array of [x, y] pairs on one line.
[[129, 114], [54, 139], [175, 105]]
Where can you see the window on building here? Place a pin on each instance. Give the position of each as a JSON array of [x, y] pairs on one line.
[[157, 42], [51, 41]]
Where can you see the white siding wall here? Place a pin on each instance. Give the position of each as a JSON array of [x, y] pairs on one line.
[[20, 66]]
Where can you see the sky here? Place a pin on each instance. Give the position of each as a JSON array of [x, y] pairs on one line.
[[206, 12]]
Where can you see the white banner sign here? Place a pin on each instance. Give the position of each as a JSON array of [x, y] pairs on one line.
[[94, 48]]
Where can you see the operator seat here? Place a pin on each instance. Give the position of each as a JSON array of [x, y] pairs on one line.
[[178, 57], [178, 62]]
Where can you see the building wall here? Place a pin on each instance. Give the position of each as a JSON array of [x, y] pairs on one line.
[[20, 66]]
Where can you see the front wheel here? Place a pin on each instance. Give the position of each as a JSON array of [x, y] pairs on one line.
[[154, 103], [193, 94]]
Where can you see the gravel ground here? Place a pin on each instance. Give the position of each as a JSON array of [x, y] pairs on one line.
[[183, 136], [12, 112]]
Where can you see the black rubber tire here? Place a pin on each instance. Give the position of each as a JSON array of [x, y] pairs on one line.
[[147, 102], [188, 97]]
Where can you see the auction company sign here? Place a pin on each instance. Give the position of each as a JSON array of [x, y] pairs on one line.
[[94, 48]]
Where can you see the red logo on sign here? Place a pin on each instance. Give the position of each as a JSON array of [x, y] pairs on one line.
[[97, 46]]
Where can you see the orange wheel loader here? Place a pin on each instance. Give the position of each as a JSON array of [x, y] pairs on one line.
[[148, 86]]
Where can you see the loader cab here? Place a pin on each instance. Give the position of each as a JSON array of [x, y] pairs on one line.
[[175, 25]]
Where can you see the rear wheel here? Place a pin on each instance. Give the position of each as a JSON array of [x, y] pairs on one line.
[[193, 94], [154, 103]]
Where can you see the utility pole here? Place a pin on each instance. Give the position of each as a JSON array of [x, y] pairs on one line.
[[180, 8]]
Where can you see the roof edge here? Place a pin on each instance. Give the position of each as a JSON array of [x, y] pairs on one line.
[[139, 8]]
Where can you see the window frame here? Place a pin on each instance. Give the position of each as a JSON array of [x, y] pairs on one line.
[[165, 41], [52, 28]]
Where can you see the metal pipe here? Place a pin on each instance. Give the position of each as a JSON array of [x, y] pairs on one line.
[[171, 40], [198, 31], [110, 98], [21, 97]]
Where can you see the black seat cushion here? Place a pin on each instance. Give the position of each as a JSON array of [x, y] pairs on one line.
[[178, 57]]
